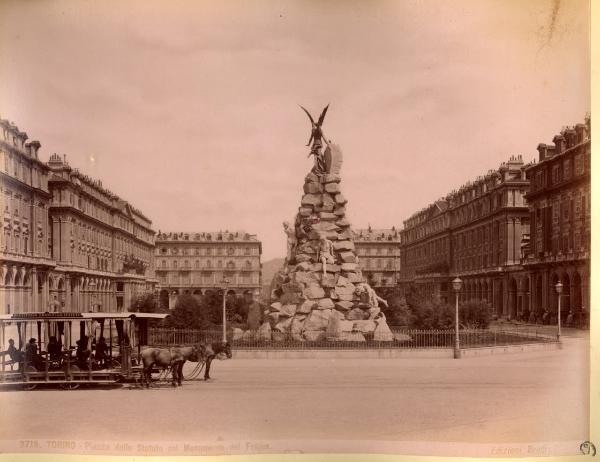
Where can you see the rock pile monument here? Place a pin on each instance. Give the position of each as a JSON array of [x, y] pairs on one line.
[[320, 293]]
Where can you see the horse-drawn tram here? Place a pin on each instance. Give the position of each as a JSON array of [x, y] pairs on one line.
[[70, 349]]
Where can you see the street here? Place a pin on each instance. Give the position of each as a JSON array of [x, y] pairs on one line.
[[512, 398]]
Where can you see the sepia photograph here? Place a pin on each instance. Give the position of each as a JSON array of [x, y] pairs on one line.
[[296, 227]]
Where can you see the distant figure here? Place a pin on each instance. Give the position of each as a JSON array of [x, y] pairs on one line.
[[101, 349], [570, 319], [545, 317], [54, 348]]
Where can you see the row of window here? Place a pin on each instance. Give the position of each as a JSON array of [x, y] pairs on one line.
[[24, 172], [207, 279], [378, 263], [377, 250], [207, 251], [207, 264], [510, 197], [560, 171]]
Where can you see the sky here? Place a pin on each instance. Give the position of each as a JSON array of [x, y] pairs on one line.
[[190, 109]]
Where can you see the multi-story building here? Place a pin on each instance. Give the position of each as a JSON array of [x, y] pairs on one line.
[[195, 263], [102, 245], [559, 245], [24, 255], [378, 253], [67, 243], [474, 233]]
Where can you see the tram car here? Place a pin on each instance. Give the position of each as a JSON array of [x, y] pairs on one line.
[[71, 348]]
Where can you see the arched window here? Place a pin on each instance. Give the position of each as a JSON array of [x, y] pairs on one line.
[[174, 263], [197, 263], [230, 251], [208, 263], [230, 265], [219, 264], [248, 264], [186, 264]]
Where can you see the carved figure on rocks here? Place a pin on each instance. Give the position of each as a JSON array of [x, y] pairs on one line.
[[325, 253], [291, 240], [374, 299]]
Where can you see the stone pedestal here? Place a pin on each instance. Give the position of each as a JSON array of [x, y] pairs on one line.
[[312, 302]]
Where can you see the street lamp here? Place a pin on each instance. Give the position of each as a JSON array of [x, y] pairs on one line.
[[559, 289], [225, 282], [456, 285]]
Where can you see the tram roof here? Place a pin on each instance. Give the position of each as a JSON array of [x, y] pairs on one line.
[[73, 316]]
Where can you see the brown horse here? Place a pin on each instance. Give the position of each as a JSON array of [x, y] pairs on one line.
[[211, 351], [170, 357]]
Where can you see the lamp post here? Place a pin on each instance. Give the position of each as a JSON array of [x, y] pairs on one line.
[[456, 285], [559, 289], [225, 282]]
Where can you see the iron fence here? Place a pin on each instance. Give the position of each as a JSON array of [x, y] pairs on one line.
[[402, 338]]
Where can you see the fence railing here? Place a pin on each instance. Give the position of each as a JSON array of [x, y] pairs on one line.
[[402, 338]]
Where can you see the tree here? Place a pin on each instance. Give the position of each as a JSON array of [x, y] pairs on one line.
[[397, 312], [188, 314], [145, 303], [475, 314]]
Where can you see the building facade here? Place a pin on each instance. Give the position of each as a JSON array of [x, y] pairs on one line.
[[194, 263], [475, 233], [378, 253], [25, 259], [560, 215], [67, 243], [103, 247]]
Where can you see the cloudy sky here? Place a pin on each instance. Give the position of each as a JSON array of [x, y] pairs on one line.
[[190, 109]]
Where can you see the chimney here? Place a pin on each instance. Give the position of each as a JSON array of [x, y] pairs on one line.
[[571, 137], [543, 150], [581, 130], [33, 147], [559, 141]]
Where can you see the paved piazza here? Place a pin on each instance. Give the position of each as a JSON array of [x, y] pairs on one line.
[[511, 398]]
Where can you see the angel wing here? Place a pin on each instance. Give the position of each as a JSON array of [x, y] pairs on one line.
[[312, 123], [322, 117]]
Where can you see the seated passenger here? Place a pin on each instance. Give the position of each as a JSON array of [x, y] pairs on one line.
[[31, 355], [15, 355], [82, 353], [54, 348], [101, 349]]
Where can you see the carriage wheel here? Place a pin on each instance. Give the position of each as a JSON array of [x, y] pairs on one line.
[[30, 386], [71, 386]]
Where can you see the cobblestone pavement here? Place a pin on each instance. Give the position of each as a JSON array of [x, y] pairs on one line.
[[520, 397]]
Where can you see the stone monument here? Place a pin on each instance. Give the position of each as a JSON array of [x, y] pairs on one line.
[[320, 293]]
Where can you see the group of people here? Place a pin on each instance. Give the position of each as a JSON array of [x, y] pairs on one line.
[[99, 350], [32, 356]]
